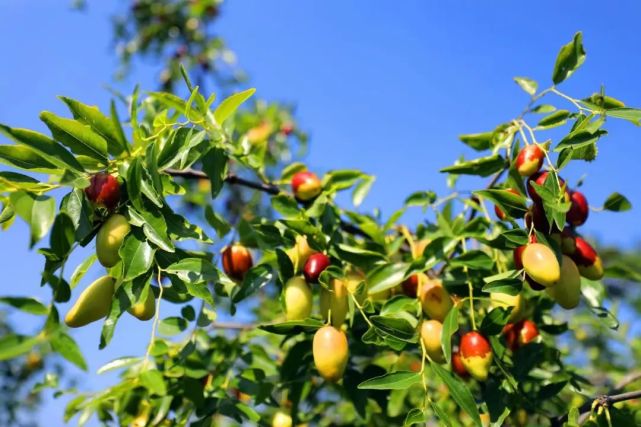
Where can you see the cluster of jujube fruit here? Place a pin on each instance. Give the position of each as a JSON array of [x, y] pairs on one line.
[[94, 303]]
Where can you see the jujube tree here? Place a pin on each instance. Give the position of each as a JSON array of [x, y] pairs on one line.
[[355, 319]]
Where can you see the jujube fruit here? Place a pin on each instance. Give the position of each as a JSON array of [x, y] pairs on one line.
[[435, 300], [476, 355], [330, 352], [334, 302], [540, 264], [579, 209], [282, 419], [587, 260], [410, 285], [567, 291], [314, 266], [237, 260], [520, 333], [458, 366], [93, 303], [529, 160], [103, 190], [109, 239], [306, 186], [144, 310], [299, 253], [298, 299], [431, 332]]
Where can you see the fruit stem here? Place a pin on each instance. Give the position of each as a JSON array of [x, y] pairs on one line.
[[361, 310], [469, 287]]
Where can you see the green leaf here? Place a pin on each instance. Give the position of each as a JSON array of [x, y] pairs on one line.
[[172, 326], [7, 213], [98, 122], [292, 327], [76, 206], [37, 211], [414, 416], [385, 277], [558, 118], [217, 221], [12, 346], [339, 180], [580, 139], [47, 148], [570, 57], [399, 380], [67, 348], [528, 85], [28, 305], [495, 320], [478, 141], [475, 259], [420, 198], [25, 158], [459, 392], [617, 202], [484, 166], [450, 326], [137, 256], [153, 381], [509, 282], [631, 114], [121, 362], [286, 205], [543, 108], [231, 104], [78, 137], [195, 270], [361, 190], [512, 204], [215, 165], [395, 327], [256, 278]]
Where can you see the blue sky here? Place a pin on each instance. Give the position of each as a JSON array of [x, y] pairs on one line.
[[385, 87]]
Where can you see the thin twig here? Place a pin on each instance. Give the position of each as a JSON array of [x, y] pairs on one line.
[[235, 326], [260, 186], [604, 401]]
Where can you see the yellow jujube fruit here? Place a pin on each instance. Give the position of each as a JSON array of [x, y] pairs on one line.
[[334, 302], [146, 309], [282, 419], [330, 352], [110, 238], [567, 290], [431, 332], [540, 264], [435, 299], [298, 299], [93, 303], [299, 253]]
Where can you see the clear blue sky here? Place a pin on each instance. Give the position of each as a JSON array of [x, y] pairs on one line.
[[385, 87]]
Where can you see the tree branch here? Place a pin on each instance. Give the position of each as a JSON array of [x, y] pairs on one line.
[[234, 326], [604, 401], [260, 186]]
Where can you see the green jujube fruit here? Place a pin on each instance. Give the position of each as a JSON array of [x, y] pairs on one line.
[[110, 238], [93, 303]]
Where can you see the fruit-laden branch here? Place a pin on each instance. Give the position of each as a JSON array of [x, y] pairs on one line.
[[603, 401], [260, 186]]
